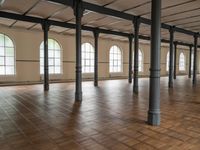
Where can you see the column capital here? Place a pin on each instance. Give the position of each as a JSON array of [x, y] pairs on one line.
[[45, 25], [96, 32], [171, 29], [137, 21], [130, 37], [196, 35], [175, 43]]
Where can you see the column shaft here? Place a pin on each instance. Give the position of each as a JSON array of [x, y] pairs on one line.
[[136, 54], [78, 11], [96, 40], [45, 27], [130, 59], [154, 91], [171, 58]]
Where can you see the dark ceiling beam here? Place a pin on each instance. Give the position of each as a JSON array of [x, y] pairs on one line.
[[119, 14], [72, 26], [63, 2]]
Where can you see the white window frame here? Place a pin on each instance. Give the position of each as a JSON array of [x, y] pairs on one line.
[[119, 52], [6, 76], [87, 57], [54, 74], [182, 62]]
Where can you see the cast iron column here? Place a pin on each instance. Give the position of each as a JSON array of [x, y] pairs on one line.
[[136, 53], [195, 60], [175, 55], [96, 37], [154, 91], [171, 30], [190, 62], [78, 12], [45, 27], [130, 59]]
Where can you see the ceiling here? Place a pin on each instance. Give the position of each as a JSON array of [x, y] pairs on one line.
[[180, 13]]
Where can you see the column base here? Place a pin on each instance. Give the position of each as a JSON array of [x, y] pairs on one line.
[[153, 118], [130, 81], [135, 89], [170, 84], [96, 84], [78, 96], [46, 88]]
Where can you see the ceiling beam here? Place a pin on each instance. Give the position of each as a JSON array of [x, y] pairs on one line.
[[119, 14], [72, 26]]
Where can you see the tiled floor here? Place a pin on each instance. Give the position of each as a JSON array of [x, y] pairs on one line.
[[110, 117]]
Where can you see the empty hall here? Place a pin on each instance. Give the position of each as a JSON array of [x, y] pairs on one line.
[[99, 75]]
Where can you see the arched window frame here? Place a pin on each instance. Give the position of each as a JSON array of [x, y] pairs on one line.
[[182, 62], [53, 56], [115, 59], [192, 61], [88, 51], [140, 61], [6, 67], [167, 62]]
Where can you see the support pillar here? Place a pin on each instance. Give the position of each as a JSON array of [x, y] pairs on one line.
[[195, 60], [171, 57], [136, 54], [130, 59], [175, 57], [45, 27], [190, 63], [96, 40], [154, 91], [78, 12]]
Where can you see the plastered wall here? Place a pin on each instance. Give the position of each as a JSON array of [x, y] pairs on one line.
[[27, 45]]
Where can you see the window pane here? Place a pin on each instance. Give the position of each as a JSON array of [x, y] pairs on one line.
[[57, 70], [50, 44], [42, 53], [57, 54], [10, 61], [8, 42], [51, 70], [2, 70], [41, 69], [57, 62], [51, 62], [9, 51], [9, 70], [2, 61], [2, 51], [51, 53]]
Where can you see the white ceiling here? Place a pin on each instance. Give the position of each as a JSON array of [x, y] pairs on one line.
[[180, 13]]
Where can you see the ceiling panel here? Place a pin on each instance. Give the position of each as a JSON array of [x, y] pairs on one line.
[[64, 15], [20, 6], [100, 2], [120, 5], [23, 24], [50, 9]]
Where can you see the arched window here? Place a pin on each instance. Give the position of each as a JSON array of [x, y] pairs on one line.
[[115, 59], [87, 58], [54, 52], [7, 56], [167, 62], [192, 61], [140, 61], [182, 62]]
